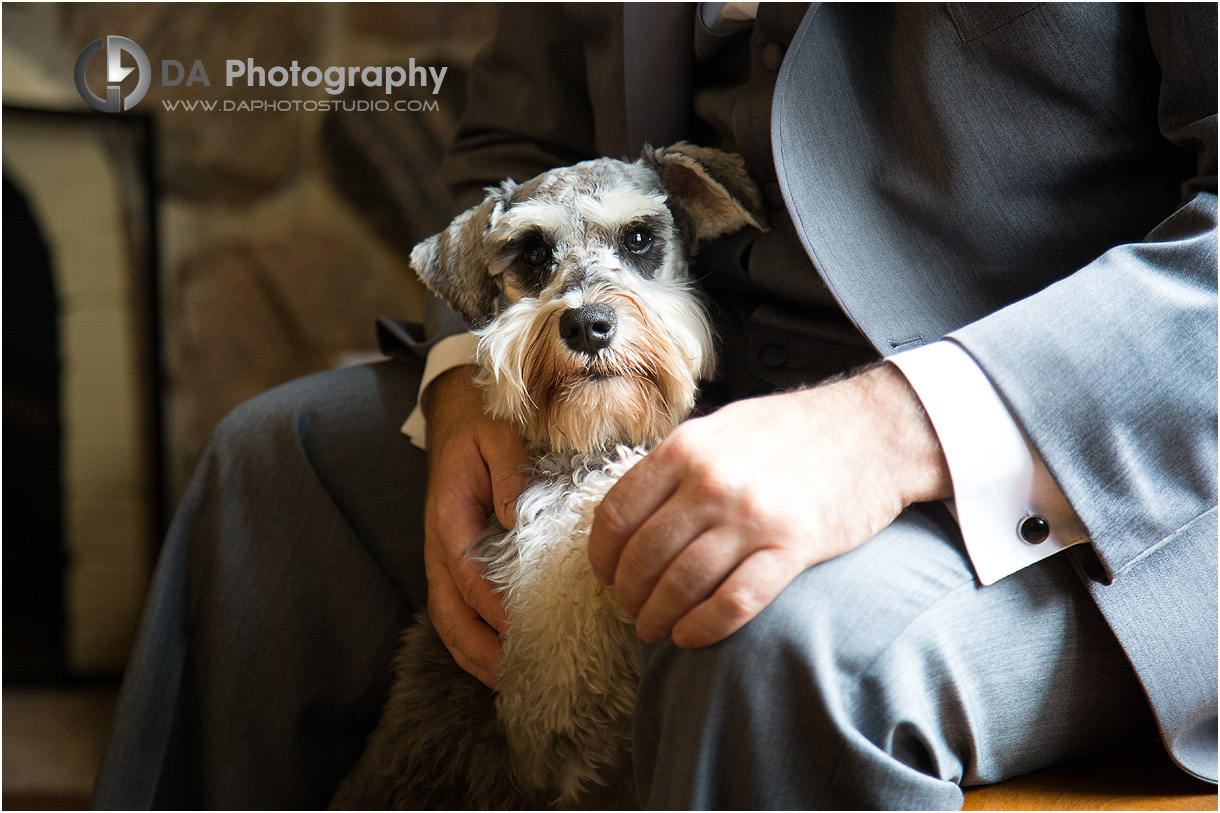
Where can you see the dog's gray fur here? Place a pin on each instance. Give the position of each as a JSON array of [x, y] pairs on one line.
[[558, 729]]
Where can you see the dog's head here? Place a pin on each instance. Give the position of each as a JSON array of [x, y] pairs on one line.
[[577, 282]]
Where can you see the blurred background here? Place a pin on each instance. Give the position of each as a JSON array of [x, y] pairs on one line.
[[159, 267]]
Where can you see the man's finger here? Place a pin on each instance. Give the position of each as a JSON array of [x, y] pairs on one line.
[[456, 521], [474, 591], [507, 462], [658, 542], [692, 577], [633, 499], [478, 594], [474, 645], [749, 588]]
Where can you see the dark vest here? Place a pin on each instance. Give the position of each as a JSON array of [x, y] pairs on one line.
[[779, 325]]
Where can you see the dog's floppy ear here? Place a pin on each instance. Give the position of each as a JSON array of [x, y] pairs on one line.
[[711, 187], [454, 263]]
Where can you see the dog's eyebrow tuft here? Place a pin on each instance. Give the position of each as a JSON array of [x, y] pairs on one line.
[[533, 216], [613, 209]]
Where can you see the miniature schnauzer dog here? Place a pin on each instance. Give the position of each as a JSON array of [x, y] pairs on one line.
[[592, 341]]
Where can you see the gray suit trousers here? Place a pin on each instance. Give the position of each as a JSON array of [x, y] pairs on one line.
[[885, 678]]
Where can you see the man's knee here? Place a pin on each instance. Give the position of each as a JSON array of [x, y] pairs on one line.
[[893, 666], [252, 422], [798, 698], [804, 654], [840, 618], [315, 470], [315, 412]]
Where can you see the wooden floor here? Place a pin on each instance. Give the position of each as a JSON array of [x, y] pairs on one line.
[[1146, 781]]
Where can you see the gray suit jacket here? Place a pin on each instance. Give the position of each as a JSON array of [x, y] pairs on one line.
[[1035, 182]]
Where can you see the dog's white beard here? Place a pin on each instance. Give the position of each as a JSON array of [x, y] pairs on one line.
[[633, 392]]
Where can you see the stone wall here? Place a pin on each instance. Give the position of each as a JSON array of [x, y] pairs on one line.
[[283, 234]]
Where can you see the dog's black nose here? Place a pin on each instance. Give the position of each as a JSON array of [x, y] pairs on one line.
[[589, 328]]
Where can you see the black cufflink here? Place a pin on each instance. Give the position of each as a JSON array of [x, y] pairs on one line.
[[1034, 529]]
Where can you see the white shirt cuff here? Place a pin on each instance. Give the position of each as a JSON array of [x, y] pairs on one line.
[[999, 481], [449, 352]]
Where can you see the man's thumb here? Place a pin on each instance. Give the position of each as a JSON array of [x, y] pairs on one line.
[[507, 483]]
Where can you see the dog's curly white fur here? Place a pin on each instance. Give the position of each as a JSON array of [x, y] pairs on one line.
[[592, 341], [570, 657]]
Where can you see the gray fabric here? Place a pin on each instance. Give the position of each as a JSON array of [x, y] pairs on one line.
[[1086, 291], [1164, 613], [293, 564], [884, 679], [880, 679]]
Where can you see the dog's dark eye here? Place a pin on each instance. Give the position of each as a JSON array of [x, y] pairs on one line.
[[637, 240], [537, 255]]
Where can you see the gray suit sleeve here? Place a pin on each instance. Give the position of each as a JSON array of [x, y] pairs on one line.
[[1111, 372]]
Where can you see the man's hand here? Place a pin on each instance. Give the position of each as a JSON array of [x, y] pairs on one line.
[[475, 465], [707, 529]]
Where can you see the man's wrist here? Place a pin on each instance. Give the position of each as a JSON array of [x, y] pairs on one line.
[[876, 414], [913, 452], [450, 389]]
